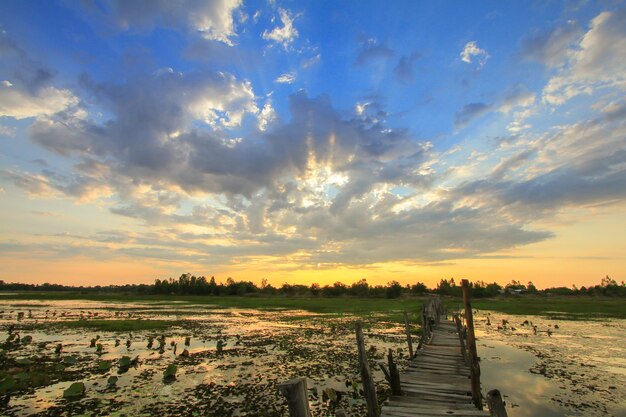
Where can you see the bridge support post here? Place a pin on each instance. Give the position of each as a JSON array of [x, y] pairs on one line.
[[495, 403], [296, 393], [407, 329], [366, 376], [459, 330]]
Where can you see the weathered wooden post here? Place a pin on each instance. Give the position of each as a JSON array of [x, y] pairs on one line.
[[340, 412], [407, 329], [366, 376], [392, 375], [296, 393], [471, 347], [495, 403], [425, 325], [459, 330]]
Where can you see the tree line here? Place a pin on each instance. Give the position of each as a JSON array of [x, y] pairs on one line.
[[188, 284]]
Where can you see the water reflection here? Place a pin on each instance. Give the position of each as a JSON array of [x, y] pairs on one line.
[[547, 367], [505, 368]]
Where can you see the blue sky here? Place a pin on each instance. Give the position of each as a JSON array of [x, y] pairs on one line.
[[310, 139]]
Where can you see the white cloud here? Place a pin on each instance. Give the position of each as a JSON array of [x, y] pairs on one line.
[[286, 78], [598, 61], [266, 116], [471, 52], [284, 35], [311, 61], [21, 104], [223, 103]]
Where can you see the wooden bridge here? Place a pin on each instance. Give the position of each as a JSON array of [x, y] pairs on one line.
[[439, 380], [442, 378]]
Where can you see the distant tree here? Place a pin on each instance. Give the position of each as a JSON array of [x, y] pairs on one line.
[[419, 288], [394, 289], [360, 288], [315, 289]]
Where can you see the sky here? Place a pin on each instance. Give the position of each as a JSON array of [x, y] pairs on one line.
[[312, 141]]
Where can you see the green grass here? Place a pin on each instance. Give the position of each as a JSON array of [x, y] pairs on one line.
[[568, 307], [564, 307], [118, 325], [313, 304]]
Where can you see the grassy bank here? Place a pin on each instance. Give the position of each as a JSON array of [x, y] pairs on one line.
[[569, 307]]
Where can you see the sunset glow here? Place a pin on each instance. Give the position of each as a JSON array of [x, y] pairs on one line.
[[308, 142]]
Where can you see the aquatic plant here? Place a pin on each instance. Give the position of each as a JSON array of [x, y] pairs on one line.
[[104, 365], [77, 389], [112, 381], [124, 363], [170, 373], [70, 360]]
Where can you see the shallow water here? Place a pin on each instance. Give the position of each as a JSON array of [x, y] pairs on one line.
[[578, 368], [564, 368], [262, 349]]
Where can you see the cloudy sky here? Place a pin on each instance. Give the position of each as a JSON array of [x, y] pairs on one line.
[[312, 141]]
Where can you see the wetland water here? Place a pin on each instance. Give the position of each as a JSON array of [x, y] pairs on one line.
[[564, 368], [577, 370]]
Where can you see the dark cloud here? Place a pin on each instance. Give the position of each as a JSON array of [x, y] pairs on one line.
[[581, 165], [211, 20], [404, 69], [17, 66], [468, 113], [511, 164], [373, 51], [550, 46]]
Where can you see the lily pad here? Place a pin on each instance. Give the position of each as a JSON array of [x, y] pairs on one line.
[[124, 362], [24, 361], [104, 366], [112, 381], [170, 372], [7, 384], [70, 360], [77, 389]]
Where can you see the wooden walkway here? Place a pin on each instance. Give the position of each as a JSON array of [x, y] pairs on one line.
[[442, 379], [437, 381]]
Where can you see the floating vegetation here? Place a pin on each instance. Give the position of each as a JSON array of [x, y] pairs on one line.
[[104, 365], [112, 381], [170, 373], [77, 389], [230, 364]]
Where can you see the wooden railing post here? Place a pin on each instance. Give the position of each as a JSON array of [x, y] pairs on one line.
[[495, 403], [366, 376], [407, 329], [459, 330], [296, 393], [471, 347]]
